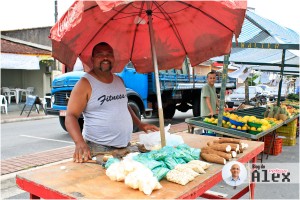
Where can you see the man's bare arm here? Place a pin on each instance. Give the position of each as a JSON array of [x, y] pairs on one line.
[[77, 103], [207, 100], [142, 126]]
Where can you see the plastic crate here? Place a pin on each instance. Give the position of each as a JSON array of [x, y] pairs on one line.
[[276, 148], [289, 128], [289, 141], [291, 135]]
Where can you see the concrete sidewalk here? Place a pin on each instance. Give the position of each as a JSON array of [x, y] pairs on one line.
[[14, 114]]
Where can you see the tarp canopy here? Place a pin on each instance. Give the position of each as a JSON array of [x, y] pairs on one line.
[[257, 29], [16, 61]]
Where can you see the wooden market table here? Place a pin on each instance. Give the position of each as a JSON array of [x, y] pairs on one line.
[[86, 180]]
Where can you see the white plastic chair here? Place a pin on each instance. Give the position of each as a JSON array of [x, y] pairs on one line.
[[8, 93], [3, 103], [28, 91]]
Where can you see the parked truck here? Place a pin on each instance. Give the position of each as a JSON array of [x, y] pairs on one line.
[[179, 90]]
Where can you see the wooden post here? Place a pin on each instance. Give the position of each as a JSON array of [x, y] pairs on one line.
[[223, 88]]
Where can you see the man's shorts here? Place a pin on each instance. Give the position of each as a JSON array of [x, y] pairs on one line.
[[97, 149]]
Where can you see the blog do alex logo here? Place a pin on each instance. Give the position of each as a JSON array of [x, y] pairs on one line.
[[275, 173]]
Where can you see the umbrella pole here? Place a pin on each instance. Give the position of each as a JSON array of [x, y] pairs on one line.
[[158, 94]]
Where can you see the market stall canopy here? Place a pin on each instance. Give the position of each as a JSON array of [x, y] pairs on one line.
[[257, 29], [15, 61], [196, 29], [19, 54]]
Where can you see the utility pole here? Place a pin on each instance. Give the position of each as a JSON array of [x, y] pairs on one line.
[[55, 11], [55, 20]]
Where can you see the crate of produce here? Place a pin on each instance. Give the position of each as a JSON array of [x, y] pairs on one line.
[[288, 128], [236, 122], [276, 148], [253, 132], [252, 124]]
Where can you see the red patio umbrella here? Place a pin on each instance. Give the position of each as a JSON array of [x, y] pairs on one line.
[[153, 35]]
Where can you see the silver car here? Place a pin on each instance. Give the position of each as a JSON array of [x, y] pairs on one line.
[[238, 95]]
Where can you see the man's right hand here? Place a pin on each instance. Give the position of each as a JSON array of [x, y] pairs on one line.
[[82, 153]]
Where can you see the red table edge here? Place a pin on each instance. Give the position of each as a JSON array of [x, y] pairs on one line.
[[37, 191]]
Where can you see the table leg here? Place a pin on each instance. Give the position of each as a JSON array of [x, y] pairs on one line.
[[252, 184], [271, 144]]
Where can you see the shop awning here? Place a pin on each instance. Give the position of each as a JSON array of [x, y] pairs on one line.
[[17, 61]]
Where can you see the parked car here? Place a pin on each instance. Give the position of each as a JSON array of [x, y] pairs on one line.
[[238, 95], [266, 89], [274, 93]]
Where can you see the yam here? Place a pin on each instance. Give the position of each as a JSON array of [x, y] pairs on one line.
[[241, 148], [229, 140], [210, 143], [221, 147], [227, 156], [233, 154], [234, 147], [213, 158]]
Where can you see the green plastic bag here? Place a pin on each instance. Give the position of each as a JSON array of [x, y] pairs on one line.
[[111, 161], [149, 163], [170, 162], [160, 172]]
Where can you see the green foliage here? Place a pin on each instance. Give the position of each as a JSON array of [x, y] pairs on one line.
[[46, 63], [251, 79], [293, 97]]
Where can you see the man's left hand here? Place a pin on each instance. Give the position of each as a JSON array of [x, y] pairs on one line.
[[148, 127]]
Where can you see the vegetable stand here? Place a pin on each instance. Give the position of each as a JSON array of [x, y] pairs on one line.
[[86, 180], [257, 112]]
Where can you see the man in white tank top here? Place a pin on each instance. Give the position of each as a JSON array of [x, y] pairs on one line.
[[101, 97]]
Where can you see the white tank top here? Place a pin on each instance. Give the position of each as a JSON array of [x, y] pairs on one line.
[[107, 120]]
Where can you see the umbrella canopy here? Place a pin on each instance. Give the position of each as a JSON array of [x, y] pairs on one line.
[[152, 35], [197, 29]]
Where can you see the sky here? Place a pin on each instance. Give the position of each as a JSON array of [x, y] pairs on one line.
[[20, 14]]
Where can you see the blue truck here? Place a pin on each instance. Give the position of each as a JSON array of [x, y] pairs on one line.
[[179, 90]]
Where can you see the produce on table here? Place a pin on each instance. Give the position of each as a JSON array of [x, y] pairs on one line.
[[179, 177], [200, 163], [228, 140], [221, 147], [135, 175], [218, 151], [282, 112], [213, 158], [184, 168], [196, 167], [227, 156], [234, 147], [184, 173]]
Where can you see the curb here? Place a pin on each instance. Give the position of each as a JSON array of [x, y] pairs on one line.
[[3, 121]]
